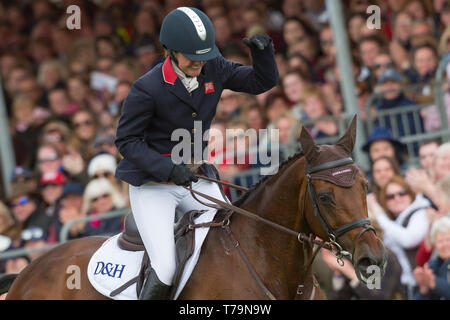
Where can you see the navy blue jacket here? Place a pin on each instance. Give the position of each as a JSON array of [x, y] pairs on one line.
[[158, 103]]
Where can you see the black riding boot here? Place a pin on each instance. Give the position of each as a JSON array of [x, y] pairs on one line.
[[153, 288]]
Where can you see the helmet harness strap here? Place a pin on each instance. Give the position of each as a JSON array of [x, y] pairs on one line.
[[172, 57]]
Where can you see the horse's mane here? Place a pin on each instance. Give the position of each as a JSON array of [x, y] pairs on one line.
[[238, 202]]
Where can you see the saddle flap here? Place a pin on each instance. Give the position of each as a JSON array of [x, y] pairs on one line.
[[184, 245], [130, 240]]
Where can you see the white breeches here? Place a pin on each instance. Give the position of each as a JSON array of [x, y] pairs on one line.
[[154, 208]]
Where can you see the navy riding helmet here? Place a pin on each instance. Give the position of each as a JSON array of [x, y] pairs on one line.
[[189, 31]]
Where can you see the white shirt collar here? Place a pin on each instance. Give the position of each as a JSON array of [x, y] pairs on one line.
[[190, 83]]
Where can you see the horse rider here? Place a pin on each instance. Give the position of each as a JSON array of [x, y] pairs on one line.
[[185, 88]]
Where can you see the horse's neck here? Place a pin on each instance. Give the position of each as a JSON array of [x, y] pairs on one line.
[[279, 198], [276, 200]]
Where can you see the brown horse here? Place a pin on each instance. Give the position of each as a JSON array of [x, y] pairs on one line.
[[316, 192]]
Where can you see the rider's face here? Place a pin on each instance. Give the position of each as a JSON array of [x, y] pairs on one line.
[[189, 67]]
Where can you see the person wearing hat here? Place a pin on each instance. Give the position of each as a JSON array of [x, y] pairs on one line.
[[381, 143], [51, 187], [30, 238], [179, 94], [69, 208], [390, 83], [34, 237], [104, 165], [23, 174], [390, 79]]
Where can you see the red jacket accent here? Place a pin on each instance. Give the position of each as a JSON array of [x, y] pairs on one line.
[[169, 74]]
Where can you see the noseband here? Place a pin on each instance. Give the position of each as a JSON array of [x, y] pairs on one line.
[[334, 234]]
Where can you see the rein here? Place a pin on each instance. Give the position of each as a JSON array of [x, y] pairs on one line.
[[304, 239], [224, 205], [334, 234]]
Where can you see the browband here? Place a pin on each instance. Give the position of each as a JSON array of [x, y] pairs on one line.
[[329, 165]]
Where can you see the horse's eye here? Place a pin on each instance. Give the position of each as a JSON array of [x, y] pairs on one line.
[[325, 198]]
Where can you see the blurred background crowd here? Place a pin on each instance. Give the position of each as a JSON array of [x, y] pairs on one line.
[[64, 90]]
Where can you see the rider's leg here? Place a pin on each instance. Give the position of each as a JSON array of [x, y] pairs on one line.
[[189, 203], [153, 208]]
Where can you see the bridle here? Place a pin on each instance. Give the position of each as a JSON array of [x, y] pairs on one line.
[[334, 234]]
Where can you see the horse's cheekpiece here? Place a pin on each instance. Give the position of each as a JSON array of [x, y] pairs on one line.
[[341, 172], [255, 248]]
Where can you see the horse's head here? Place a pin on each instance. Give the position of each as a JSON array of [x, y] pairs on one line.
[[335, 203]]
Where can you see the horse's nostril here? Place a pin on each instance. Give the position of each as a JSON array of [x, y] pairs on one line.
[[365, 268], [365, 263]]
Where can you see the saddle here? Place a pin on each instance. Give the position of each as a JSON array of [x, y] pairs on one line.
[[131, 240]]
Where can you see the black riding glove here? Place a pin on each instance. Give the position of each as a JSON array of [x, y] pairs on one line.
[[182, 176], [260, 41]]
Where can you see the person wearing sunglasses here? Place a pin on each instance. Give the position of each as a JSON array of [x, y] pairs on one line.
[[84, 126], [25, 206], [34, 237], [402, 215], [104, 166], [382, 62], [48, 159], [99, 197]]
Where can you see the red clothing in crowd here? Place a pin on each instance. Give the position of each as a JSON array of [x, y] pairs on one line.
[[423, 255]]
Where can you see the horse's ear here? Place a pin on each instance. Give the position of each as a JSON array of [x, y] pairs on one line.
[[347, 141], [310, 150]]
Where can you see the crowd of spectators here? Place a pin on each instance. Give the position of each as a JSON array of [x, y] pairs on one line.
[[64, 90]]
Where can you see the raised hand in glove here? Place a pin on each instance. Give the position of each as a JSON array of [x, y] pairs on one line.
[[182, 176], [260, 41]]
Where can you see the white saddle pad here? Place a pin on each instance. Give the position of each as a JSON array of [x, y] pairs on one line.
[[110, 267]]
